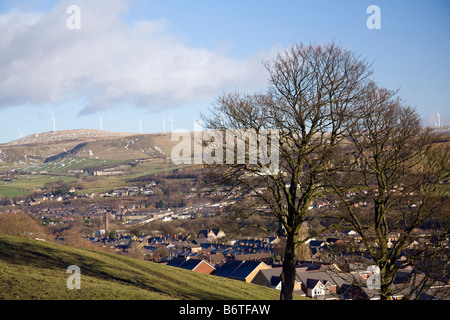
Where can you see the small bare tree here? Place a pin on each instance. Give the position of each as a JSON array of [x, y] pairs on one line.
[[306, 112], [21, 224]]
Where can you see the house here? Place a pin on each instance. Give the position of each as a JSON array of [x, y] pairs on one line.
[[197, 265], [212, 234], [201, 241], [352, 292], [310, 266], [215, 258], [176, 262], [320, 289], [247, 270], [272, 278], [228, 268], [352, 234], [254, 256], [318, 285], [195, 248], [315, 246]]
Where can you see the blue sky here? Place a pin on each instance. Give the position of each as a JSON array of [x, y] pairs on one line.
[[144, 60]]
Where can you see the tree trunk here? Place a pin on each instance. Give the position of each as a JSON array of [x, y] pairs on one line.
[[288, 273], [385, 290]]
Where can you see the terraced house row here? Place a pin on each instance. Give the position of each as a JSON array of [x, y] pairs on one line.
[[314, 280]]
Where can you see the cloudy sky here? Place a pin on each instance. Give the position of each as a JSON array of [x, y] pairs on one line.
[[149, 59]]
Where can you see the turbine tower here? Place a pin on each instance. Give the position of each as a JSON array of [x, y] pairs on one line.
[[438, 119], [164, 125], [54, 122], [198, 125], [20, 134], [140, 125], [171, 123], [101, 123]]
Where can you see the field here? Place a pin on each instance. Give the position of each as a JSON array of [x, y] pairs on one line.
[[62, 169], [35, 160], [25, 184], [35, 270]]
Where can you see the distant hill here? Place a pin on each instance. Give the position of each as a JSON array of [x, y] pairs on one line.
[[50, 146], [94, 144], [55, 137], [32, 269]]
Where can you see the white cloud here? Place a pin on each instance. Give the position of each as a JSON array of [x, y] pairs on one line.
[[109, 61]]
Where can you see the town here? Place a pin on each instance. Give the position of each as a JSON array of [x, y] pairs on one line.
[[295, 150], [128, 221]]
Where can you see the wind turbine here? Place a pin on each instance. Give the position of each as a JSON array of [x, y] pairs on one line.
[[20, 134], [164, 125], [101, 123], [438, 119], [171, 123], [198, 125], [54, 122], [140, 125]]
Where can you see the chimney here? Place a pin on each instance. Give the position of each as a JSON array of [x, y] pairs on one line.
[[106, 225]]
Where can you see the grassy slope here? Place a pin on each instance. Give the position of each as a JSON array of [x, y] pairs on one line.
[[32, 269], [108, 148], [25, 184]]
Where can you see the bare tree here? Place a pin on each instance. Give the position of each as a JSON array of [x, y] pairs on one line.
[[389, 188], [305, 112], [21, 224]]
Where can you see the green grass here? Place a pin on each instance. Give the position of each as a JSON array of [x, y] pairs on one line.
[[32, 269], [24, 184], [107, 183]]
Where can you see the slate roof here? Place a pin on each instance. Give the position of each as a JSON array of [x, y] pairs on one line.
[[244, 270], [353, 292], [274, 274], [176, 262], [191, 264], [309, 266], [186, 263], [228, 268], [311, 283], [310, 279]]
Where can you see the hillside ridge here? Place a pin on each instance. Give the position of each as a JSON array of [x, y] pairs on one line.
[[49, 146], [59, 136], [33, 270]]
